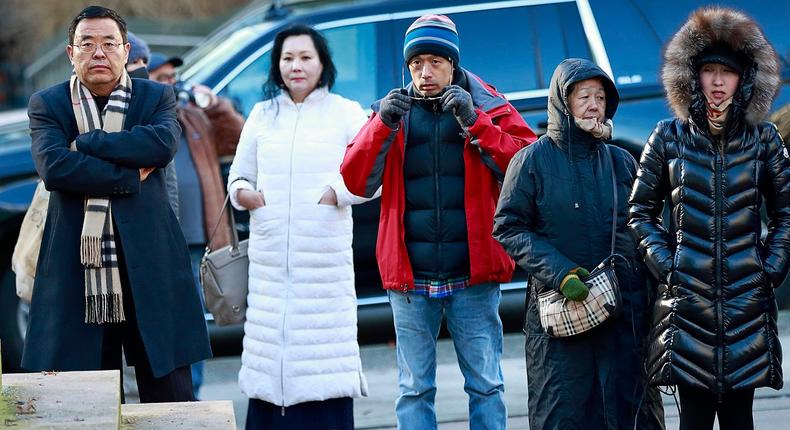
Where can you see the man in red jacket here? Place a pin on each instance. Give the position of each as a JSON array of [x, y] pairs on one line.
[[439, 149]]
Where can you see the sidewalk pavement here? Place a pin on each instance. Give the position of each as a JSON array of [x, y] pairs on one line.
[[772, 408]]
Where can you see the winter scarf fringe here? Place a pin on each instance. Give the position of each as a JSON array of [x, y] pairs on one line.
[[103, 293]]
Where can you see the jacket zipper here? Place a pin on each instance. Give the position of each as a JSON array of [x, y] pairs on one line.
[[437, 199], [288, 257], [719, 292]]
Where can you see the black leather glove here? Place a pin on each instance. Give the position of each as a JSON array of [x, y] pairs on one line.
[[393, 106], [458, 101]]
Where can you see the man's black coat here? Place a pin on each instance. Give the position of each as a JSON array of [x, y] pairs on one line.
[[155, 255]]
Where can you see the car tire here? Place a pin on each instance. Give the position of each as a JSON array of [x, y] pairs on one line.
[[13, 321]]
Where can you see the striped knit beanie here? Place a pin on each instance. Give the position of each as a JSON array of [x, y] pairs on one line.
[[432, 34]]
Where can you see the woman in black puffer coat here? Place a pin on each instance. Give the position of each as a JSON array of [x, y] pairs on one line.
[[555, 216], [715, 333]]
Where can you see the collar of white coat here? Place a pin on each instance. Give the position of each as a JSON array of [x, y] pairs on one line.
[[316, 96]]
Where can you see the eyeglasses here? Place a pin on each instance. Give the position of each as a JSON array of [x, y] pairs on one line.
[[106, 47], [425, 98]]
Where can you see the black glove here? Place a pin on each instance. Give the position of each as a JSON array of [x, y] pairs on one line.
[[458, 101], [393, 106]]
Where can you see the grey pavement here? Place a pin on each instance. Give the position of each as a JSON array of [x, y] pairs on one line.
[[771, 409]]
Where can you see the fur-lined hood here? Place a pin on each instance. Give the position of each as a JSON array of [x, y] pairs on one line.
[[705, 27]]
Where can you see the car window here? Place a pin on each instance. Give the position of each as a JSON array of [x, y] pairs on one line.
[[560, 36], [638, 60], [14, 135], [353, 52], [246, 88], [355, 56], [523, 58], [648, 25], [201, 63]]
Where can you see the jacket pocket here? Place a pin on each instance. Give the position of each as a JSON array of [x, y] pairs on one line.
[[264, 220]]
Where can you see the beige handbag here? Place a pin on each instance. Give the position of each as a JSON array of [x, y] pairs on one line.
[[224, 275], [25, 257]]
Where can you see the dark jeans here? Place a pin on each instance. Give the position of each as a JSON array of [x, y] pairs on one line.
[[332, 414], [698, 408]]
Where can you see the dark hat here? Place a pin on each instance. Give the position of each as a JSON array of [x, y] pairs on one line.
[[721, 53], [158, 60], [432, 34], [139, 49]]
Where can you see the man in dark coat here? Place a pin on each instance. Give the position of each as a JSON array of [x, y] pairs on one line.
[[132, 286], [555, 216]]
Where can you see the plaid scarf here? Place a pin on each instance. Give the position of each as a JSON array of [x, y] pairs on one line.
[[103, 295]]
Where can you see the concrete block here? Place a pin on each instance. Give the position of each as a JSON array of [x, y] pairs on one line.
[[62, 400], [213, 415]]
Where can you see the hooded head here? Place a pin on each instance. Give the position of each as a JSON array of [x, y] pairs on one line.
[[722, 36], [561, 126]]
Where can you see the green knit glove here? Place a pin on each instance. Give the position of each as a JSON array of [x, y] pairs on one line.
[[581, 272], [573, 288]]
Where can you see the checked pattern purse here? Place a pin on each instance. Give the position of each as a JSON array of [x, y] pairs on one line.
[[561, 317]]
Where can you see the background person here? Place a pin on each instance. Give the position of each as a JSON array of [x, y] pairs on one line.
[[162, 68], [438, 149], [716, 162], [207, 132], [136, 67], [555, 219], [300, 364]]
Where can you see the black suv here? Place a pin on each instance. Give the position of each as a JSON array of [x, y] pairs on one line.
[[514, 44]]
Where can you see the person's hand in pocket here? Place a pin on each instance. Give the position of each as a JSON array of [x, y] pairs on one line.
[[329, 198], [250, 199]]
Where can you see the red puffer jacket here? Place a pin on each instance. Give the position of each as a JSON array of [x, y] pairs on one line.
[[375, 158]]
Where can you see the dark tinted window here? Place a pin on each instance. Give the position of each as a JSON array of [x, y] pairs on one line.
[[635, 35], [633, 46], [246, 88], [560, 36], [355, 55], [517, 48]]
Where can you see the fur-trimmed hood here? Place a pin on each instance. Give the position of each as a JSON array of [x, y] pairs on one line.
[[760, 81]]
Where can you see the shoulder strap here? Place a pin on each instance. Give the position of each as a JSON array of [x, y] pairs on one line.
[[614, 195], [234, 235]]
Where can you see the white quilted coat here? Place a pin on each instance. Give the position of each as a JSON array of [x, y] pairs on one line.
[[300, 337]]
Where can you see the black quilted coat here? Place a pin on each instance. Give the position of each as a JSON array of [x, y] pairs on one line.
[[715, 317]]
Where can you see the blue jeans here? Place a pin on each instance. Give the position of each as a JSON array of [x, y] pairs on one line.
[[195, 255], [473, 320]]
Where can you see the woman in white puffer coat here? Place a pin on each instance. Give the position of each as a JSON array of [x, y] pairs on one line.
[[300, 364]]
